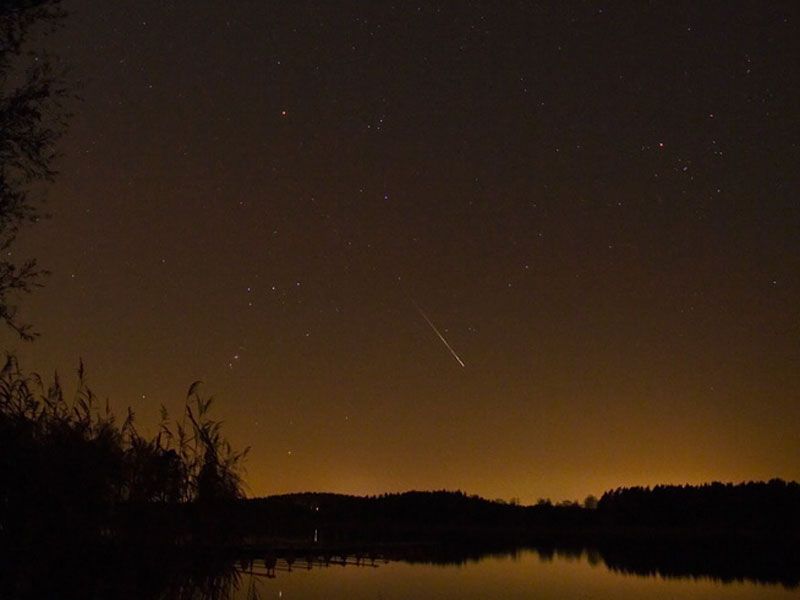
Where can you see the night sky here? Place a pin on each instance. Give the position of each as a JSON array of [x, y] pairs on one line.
[[595, 204]]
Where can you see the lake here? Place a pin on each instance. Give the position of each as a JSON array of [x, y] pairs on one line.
[[681, 570], [523, 574]]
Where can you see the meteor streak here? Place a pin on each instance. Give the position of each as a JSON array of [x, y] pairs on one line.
[[437, 332]]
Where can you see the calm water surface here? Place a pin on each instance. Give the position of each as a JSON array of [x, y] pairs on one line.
[[524, 575]]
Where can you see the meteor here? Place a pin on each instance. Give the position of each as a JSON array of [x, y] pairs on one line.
[[437, 332]]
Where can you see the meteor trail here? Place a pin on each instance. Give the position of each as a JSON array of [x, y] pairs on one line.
[[436, 330]]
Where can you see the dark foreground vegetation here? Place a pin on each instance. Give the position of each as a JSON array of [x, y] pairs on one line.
[[71, 473]]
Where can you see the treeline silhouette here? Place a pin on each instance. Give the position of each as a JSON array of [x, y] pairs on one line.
[[762, 510], [71, 473], [755, 507]]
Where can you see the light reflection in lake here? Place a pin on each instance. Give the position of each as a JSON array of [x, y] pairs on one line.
[[612, 570], [524, 574]]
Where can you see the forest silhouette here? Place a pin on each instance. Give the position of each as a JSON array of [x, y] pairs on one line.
[[751, 510]]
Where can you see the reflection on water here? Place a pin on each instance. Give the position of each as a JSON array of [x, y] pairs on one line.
[[542, 572], [688, 571], [523, 574]]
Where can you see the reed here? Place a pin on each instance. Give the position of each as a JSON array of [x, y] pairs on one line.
[[69, 467]]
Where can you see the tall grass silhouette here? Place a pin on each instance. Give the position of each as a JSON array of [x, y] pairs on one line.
[[71, 470]]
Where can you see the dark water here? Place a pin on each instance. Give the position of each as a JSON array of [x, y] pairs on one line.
[[675, 571], [524, 574]]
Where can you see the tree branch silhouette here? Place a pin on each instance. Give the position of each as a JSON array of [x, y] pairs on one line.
[[33, 117]]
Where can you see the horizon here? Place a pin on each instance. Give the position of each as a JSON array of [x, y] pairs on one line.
[[515, 500]]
